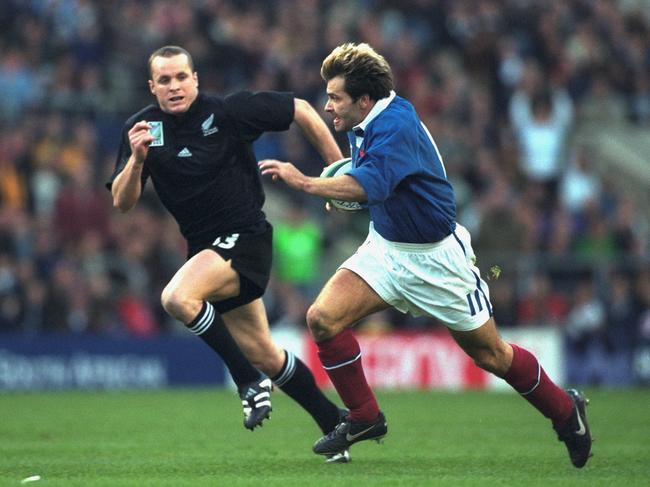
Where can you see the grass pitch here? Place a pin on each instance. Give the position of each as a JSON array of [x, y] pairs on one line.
[[196, 438]]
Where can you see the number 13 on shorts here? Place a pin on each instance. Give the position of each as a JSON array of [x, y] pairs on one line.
[[227, 242]]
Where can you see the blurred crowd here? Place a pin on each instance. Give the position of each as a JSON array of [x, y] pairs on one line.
[[502, 85]]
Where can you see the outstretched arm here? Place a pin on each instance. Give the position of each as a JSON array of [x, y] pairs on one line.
[[316, 131], [343, 187], [127, 186]]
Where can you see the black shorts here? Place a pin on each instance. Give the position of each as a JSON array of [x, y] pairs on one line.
[[251, 253]]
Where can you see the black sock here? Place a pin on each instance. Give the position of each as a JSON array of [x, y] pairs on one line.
[[297, 381], [209, 326]]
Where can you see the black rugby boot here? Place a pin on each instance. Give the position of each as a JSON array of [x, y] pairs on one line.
[[348, 433], [256, 402], [575, 434]]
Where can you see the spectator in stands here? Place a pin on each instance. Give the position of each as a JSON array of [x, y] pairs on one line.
[[19, 84], [13, 161], [642, 349], [596, 240], [622, 314], [80, 207], [504, 301], [541, 119], [540, 304], [10, 307], [585, 328], [580, 184], [298, 250]]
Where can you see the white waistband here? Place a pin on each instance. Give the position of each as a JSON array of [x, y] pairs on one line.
[[411, 247]]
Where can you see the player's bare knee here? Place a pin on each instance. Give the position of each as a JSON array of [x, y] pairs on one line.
[[485, 359], [320, 324], [491, 360], [176, 303]]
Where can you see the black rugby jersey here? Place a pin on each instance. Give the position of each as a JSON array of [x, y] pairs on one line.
[[202, 165]]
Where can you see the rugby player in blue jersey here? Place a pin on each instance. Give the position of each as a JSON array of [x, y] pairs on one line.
[[416, 257]]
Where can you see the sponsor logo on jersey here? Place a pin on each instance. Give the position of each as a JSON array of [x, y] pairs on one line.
[[207, 127], [157, 132], [184, 152]]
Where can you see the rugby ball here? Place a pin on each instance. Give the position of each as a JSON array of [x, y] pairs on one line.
[[339, 168]]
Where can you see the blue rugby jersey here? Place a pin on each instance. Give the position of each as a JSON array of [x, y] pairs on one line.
[[398, 165]]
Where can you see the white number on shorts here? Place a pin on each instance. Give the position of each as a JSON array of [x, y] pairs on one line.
[[227, 242]]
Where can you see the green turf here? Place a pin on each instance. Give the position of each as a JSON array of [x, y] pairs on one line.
[[195, 438]]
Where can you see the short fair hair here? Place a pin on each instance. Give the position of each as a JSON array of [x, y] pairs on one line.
[[170, 51], [364, 70]]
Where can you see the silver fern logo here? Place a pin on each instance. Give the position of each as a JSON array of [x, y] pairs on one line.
[[207, 127]]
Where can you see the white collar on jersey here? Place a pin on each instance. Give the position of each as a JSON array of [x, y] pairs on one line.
[[379, 107]]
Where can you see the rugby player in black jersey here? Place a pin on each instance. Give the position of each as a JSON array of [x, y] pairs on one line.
[[197, 151]]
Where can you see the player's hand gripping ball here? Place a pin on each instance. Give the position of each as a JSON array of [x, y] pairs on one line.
[[339, 168]]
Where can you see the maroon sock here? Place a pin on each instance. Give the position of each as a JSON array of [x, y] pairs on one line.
[[528, 378], [341, 359]]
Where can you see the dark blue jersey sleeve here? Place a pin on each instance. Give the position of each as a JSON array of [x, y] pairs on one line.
[[386, 161]]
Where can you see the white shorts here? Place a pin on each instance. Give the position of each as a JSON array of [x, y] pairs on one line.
[[438, 280]]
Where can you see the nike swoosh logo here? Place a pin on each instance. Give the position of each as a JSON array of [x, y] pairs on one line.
[[581, 430], [350, 437]]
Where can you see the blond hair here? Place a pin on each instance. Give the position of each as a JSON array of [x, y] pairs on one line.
[[364, 70]]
